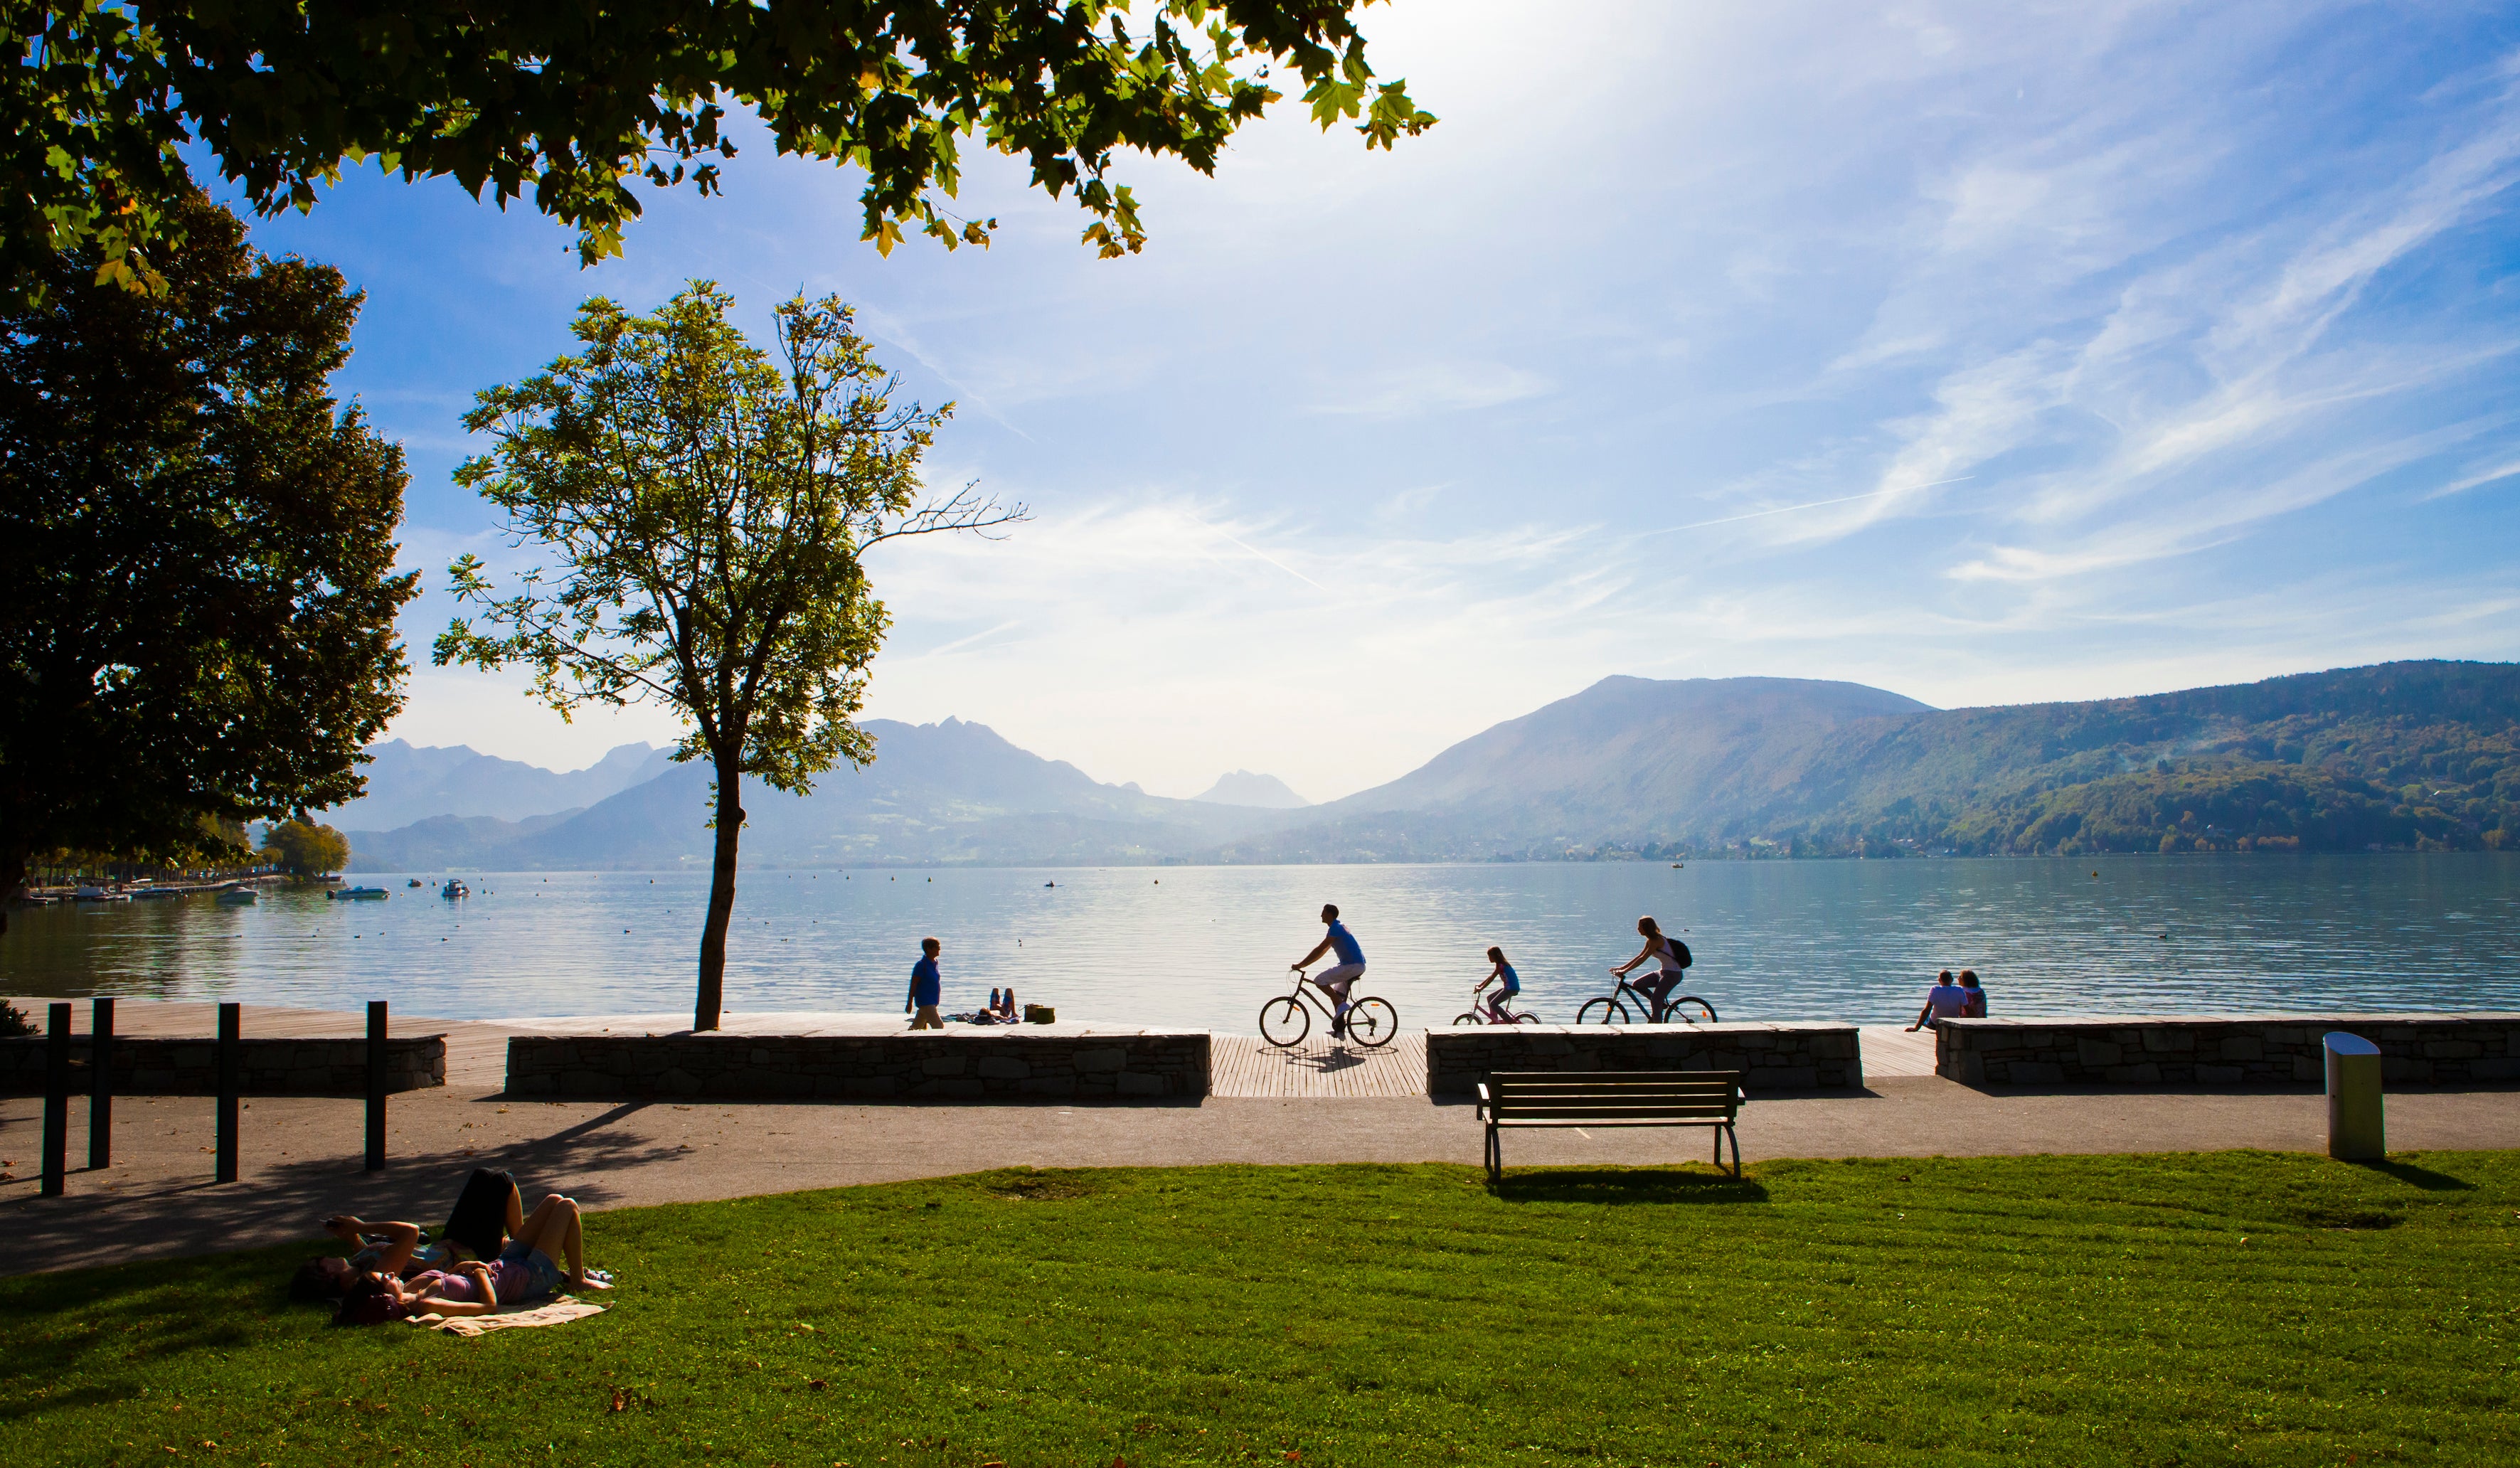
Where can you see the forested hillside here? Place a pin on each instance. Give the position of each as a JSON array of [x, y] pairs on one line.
[[2403, 755]]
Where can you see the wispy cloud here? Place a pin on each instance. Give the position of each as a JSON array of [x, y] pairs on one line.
[[1440, 387]]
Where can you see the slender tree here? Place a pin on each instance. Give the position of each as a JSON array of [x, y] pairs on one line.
[[703, 510], [577, 103], [196, 584]]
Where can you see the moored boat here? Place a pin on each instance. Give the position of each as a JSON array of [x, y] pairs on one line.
[[236, 896], [453, 890], [102, 894], [356, 894]]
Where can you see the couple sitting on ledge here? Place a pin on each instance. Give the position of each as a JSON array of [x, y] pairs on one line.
[[491, 1254], [1949, 1000]]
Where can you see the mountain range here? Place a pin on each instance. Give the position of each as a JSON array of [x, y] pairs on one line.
[[2409, 754]]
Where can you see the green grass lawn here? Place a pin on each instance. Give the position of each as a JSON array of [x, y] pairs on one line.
[[2237, 1308]]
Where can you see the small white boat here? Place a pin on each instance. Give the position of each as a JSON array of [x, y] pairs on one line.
[[236, 896], [453, 890], [102, 894], [414, 882], [357, 894]]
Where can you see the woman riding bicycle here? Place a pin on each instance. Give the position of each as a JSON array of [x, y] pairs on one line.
[[1669, 952], [1508, 982]]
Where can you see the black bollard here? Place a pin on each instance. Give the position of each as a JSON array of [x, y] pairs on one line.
[[376, 1086], [57, 1099], [230, 1063], [100, 1084]]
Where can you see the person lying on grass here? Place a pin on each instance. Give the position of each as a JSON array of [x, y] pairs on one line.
[[487, 1211], [489, 1222], [538, 1241]]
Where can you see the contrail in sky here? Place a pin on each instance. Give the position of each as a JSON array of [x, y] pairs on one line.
[[1814, 505]]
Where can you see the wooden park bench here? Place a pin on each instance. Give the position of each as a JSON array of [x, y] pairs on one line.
[[1611, 1098]]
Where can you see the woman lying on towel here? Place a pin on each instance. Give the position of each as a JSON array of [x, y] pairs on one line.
[[488, 1232]]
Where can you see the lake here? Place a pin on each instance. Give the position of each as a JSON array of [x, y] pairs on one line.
[[1203, 946]]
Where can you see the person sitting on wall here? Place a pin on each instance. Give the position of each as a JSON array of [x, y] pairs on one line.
[[1976, 996], [1944, 1000]]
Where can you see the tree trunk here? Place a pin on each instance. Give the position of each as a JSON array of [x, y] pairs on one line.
[[12, 881], [721, 907]]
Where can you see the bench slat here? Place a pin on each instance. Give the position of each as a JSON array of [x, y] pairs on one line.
[[1595, 1120], [1609, 1109]]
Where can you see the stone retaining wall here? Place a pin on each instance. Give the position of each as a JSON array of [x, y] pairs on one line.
[[1770, 1057], [157, 1066], [925, 1066], [2224, 1050]]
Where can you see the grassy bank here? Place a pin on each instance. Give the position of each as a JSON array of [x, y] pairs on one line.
[[2236, 1308]]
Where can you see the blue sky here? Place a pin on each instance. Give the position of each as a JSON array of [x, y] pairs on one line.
[[1985, 353]]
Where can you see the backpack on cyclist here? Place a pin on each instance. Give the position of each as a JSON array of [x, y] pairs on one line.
[[1679, 951]]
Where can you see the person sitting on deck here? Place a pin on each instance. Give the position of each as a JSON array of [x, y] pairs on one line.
[[927, 987], [1944, 1000], [1976, 996], [1337, 979], [1007, 1005], [1508, 982]]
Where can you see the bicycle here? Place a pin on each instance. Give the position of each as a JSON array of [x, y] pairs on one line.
[[1284, 1022], [1612, 1008], [1478, 1014]]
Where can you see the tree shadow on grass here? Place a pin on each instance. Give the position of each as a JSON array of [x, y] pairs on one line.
[[2420, 1177], [1624, 1185]]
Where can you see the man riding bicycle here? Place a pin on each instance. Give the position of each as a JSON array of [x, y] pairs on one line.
[[1335, 980]]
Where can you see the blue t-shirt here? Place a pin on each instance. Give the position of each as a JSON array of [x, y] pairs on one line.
[[1949, 1000], [1343, 944], [1512, 982], [923, 982]]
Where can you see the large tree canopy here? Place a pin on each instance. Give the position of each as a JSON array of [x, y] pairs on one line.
[[703, 511], [197, 587], [577, 101]]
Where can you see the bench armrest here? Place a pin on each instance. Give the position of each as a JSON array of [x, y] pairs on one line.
[[1484, 1098]]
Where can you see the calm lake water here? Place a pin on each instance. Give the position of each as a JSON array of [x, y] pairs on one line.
[[1852, 941]]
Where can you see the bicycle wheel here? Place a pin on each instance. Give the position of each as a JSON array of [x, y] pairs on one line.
[[1371, 1022], [1284, 1021], [1468, 1017], [1688, 1009], [1604, 1011]]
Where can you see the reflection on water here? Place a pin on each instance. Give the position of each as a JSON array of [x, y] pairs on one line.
[[1204, 946]]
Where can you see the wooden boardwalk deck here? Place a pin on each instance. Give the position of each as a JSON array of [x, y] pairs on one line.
[[1890, 1050], [1246, 1065]]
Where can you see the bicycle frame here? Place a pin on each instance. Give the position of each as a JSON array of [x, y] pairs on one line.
[[1311, 994], [1656, 1011]]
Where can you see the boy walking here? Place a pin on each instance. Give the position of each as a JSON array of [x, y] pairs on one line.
[[925, 987]]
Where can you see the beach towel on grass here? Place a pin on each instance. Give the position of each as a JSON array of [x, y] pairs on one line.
[[558, 1312]]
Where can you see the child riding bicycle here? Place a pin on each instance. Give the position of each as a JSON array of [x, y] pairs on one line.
[[1508, 982]]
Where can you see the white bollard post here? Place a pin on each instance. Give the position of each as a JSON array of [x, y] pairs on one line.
[[2356, 1130]]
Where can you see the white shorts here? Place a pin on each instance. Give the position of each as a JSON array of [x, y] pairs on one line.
[[1339, 976]]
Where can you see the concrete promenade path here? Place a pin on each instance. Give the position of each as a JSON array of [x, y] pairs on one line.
[[300, 1156]]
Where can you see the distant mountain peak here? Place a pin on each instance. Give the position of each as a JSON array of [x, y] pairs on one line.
[[1245, 788]]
